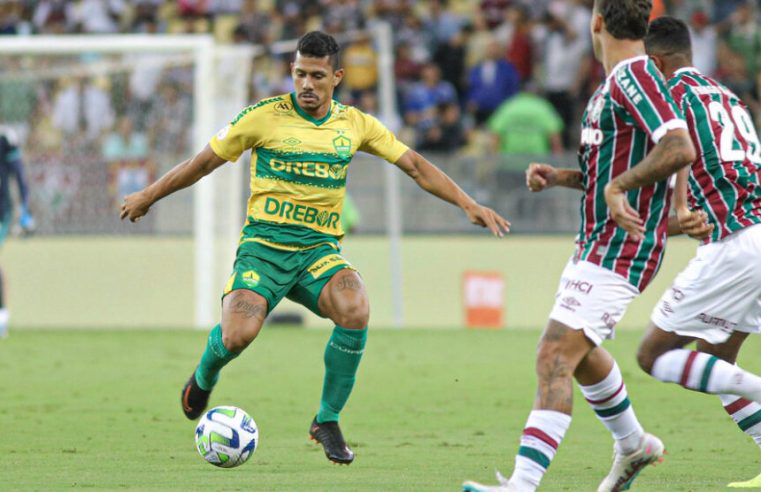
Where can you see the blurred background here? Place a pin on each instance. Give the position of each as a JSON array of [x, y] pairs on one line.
[[482, 88]]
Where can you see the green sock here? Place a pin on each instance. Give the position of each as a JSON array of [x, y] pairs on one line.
[[214, 358], [342, 356]]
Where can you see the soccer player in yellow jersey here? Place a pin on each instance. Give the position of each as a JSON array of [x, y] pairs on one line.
[[302, 144]]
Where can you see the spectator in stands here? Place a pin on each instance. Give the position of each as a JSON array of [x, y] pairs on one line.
[[54, 16], [494, 11], [450, 57], [444, 133], [744, 35], [424, 97], [443, 22], [517, 36], [704, 42], [168, 120], [346, 15], [125, 143], [67, 106], [478, 37], [97, 109], [360, 64], [99, 16], [256, 25], [413, 34], [526, 124], [566, 59], [9, 17], [490, 83], [406, 69], [723, 9], [146, 19], [392, 11]]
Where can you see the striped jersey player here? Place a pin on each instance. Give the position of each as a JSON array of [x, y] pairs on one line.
[[631, 122], [724, 180], [716, 300], [625, 118]]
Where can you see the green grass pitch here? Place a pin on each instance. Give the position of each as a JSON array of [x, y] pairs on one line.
[[99, 410]]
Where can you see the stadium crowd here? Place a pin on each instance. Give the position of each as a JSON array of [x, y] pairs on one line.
[[475, 76]]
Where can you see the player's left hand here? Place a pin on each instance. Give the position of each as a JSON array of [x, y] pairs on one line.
[[135, 206], [623, 213], [694, 223], [486, 217]]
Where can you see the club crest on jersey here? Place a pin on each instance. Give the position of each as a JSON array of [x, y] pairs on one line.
[[595, 109], [342, 144], [250, 278], [221, 134]]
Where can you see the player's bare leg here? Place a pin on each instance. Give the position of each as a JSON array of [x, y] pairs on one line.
[[603, 387], [564, 354], [243, 313], [343, 300], [745, 413], [661, 355]]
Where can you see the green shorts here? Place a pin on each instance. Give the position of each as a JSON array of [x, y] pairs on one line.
[[273, 273]]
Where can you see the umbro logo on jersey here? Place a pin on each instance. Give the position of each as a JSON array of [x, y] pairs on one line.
[[292, 141]]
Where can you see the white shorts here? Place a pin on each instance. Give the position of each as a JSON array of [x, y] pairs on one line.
[[592, 298], [719, 292]]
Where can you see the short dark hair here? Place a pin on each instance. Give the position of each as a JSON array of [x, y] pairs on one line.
[[625, 19], [317, 44], [668, 36]]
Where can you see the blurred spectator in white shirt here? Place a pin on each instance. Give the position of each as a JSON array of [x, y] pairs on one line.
[[704, 41]]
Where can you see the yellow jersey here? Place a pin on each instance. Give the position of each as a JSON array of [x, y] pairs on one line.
[[299, 166]]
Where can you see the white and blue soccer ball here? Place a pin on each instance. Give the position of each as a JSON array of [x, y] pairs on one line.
[[226, 436]]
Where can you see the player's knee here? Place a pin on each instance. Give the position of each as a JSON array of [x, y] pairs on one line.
[[353, 315], [646, 357], [236, 339]]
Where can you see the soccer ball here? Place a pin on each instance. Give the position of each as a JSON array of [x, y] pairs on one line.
[[226, 436]]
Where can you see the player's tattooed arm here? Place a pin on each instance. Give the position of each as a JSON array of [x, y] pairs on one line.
[[673, 152]]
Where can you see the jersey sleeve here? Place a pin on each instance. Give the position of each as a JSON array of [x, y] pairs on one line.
[[640, 89], [379, 140], [241, 134]]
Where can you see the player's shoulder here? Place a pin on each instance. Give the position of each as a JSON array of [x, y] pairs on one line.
[[275, 104], [634, 76], [350, 113], [690, 81]]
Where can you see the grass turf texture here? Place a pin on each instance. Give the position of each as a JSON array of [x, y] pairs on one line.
[[100, 410]]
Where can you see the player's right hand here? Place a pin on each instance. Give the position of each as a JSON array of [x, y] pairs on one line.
[[694, 223], [539, 177], [135, 206]]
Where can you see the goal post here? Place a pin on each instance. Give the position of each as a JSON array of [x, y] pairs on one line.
[[207, 116]]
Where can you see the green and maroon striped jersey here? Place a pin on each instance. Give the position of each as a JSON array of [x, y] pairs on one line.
[[725, 178], [625, 118]]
